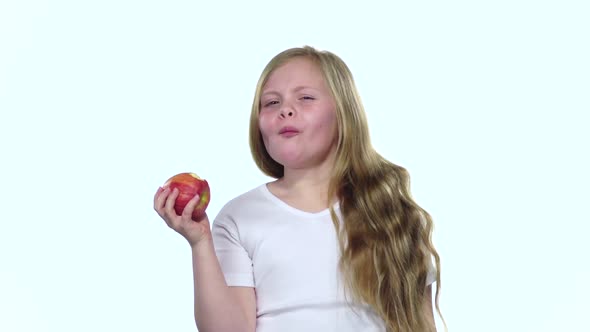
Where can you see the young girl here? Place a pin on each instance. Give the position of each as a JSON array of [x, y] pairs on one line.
[[336, 242]]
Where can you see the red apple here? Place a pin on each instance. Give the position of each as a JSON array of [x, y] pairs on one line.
[[188, 185]]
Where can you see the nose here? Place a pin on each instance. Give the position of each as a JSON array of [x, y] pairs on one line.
[[287, 112]]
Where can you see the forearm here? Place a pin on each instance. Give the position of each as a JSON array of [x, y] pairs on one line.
[[215, 309]]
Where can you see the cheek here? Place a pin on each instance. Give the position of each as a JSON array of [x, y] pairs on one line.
[[328, 124], [265, 126]]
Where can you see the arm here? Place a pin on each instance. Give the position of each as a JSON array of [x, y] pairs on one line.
[[219, 308]]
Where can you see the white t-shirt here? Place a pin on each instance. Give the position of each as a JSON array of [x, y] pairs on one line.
[[290, 257]]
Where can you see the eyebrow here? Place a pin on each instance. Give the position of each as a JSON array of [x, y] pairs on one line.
[[297, 89]]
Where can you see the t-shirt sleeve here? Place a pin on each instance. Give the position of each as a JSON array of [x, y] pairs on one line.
[[235, 261]]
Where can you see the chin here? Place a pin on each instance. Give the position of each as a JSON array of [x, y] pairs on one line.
[[285, 157], [295, 159], [289, 161], [292, 163]]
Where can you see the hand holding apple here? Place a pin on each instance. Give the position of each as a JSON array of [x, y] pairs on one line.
[[189, 184]]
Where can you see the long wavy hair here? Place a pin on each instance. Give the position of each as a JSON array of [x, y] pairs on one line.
[[386, 238]]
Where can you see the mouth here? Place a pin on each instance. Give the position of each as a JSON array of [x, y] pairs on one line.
[[288, 131]]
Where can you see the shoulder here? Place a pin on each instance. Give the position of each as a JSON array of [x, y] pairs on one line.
[[252, 195], [241, 218], [246, 200]]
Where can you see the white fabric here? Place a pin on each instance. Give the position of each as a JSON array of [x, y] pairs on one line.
[[290, 257]]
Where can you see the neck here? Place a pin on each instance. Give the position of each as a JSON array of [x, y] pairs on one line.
[[311, 183], [305, 181]]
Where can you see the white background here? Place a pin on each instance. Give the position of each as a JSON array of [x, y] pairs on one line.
[[485, 103]]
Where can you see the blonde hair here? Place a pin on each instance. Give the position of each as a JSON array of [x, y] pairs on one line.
[[385, 240]]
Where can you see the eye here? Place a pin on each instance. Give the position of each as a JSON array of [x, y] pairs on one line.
[[307, 98], [270, 103]]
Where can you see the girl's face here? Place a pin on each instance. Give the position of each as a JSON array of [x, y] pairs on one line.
[[298, 115]]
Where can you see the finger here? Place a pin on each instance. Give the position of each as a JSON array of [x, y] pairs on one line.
[[160, 189], [160, 199], [190, 207], [170, 201]]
